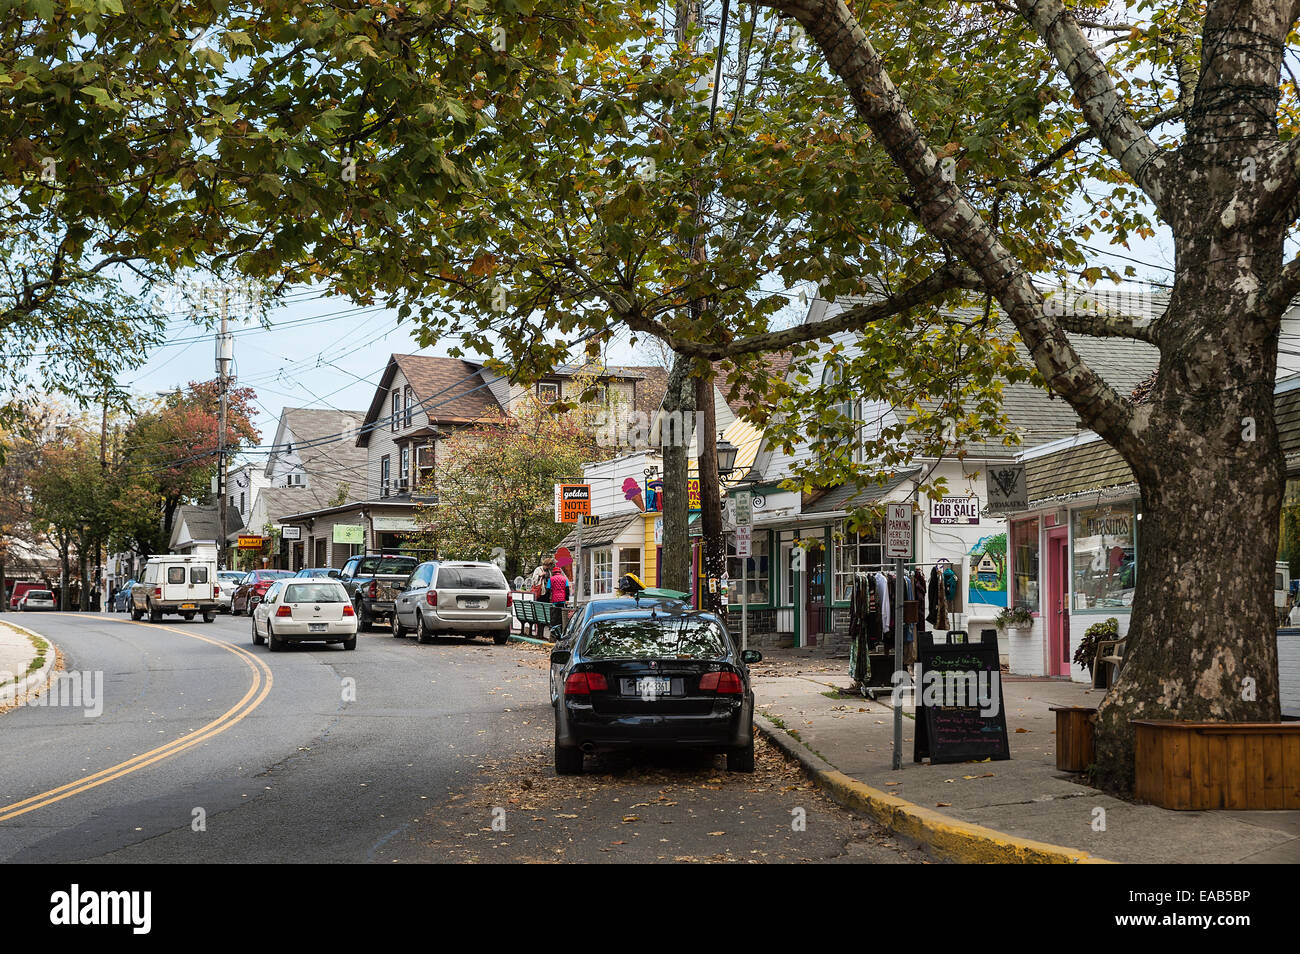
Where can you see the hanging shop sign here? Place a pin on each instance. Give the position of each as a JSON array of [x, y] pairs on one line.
[[250, 543], [291, 533], [572, 502], [955, 511], [1008, 492]]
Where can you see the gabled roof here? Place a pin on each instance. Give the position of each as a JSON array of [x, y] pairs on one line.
[[201, 523], [323, 440], [449, 390]]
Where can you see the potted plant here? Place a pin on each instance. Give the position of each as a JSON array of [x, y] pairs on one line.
[[1086, 653], [1016, 617]]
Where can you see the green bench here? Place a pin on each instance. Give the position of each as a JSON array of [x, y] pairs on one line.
[[539, 612]]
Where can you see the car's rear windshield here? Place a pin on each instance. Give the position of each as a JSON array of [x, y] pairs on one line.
[[315, 593], [273, 574], [470, 578], [655, 638], [384, 565], [40, 595]]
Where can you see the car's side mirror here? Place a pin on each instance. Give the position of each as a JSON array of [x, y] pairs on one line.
[[560, 656], [751, 656]]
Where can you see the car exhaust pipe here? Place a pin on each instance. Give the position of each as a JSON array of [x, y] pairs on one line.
[[588, 747]]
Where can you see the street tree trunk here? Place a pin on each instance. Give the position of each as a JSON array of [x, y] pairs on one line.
[[714, 559], [1204, 448], [674, 436]]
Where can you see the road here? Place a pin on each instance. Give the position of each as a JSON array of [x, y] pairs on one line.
[[207, 749]]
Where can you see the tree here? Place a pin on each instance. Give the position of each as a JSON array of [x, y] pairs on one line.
[[72, 501], [495, 487], [1204, 447], [169, 457], [274, 140]]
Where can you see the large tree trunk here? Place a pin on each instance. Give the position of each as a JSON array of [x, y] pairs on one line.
[[674, 436], [1202, 640]]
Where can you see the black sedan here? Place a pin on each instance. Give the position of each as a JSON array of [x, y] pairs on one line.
[[565, 635], [657, 677]]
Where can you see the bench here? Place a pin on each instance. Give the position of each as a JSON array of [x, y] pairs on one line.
[[539, 613]]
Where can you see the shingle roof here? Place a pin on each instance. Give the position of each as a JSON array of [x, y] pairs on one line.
[[201, 522], [1098, 466], [449, 389], [845, 497]]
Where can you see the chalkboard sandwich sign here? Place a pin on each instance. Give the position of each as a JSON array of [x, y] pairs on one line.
[[960, 716]]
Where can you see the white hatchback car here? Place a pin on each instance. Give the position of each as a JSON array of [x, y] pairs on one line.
[[36, 600], [305, 611]]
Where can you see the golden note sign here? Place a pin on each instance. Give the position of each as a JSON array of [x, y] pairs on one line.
[[572, 502], [250, 543]]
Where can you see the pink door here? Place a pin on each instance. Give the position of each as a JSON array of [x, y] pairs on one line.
[[1057, 604]]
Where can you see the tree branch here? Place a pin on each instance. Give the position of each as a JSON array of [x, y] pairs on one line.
[[947, 215], [1103, 107]]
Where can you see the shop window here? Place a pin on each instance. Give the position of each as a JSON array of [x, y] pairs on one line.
[[752, 574], [629, 561], [855, 550], [789, 556], [602, 572], [1024, 543], [1104, 557]]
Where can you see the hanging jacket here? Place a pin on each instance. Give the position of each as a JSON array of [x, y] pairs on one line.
[[918, 584], [935, 593]]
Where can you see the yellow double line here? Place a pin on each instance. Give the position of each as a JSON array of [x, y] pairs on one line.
[[262, 680]]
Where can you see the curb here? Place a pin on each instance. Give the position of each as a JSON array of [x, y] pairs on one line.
[[947, 837], [17, 693]]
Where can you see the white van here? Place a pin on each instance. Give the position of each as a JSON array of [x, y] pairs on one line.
[[173, 583]]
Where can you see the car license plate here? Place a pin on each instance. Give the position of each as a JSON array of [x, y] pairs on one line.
[[188, 606], [473, 604], [317, 627], [647, 686]]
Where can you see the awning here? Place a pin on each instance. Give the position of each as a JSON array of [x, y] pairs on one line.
[[605, 532]]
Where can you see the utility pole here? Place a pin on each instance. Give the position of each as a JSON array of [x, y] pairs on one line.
[[101, 571], [225, 357]]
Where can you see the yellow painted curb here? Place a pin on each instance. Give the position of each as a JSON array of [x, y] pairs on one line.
[[948, 837]]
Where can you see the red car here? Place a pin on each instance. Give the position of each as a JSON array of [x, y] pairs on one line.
[[252, 588]]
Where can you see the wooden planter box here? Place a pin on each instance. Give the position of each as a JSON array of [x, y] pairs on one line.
[[1195, 766], [1075, 737]]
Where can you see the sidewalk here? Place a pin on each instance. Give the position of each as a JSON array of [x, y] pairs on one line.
[[23, 667], [1024, 798]]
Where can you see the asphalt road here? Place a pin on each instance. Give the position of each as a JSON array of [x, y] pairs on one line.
[[208, 749]]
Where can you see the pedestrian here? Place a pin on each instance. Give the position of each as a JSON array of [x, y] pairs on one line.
[[540, 584]]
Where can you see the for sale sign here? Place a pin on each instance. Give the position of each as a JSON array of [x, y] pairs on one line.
[[954, 511], [572, 502]]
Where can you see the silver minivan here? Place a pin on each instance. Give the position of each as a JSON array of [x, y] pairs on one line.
[[454, 597]]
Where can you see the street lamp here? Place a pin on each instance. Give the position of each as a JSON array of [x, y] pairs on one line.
[[727, 452]]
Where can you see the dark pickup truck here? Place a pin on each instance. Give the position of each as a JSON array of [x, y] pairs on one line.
[[373, 582]]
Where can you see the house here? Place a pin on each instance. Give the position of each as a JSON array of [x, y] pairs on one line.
[[420, 402], [195, 530], [314, 463]]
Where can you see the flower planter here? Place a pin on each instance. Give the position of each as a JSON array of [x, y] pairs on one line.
[[1196, 766], [1075, 737]]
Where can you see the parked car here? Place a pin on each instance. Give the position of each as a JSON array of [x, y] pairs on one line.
[[461, 598], [373, 581], [253, 588], [564, 637], [175, 583], [227, 582], [329, 572], [21, 588], [34, 600], [303, 610], [121, 601], [654, 678]]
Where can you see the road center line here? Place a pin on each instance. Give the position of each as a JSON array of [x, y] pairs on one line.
[[261, 686]]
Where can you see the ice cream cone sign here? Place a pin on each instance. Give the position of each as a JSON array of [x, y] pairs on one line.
[[632, 492]]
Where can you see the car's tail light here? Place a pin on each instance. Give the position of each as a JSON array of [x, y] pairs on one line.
[[216, 592], [431, 597], [584, 683], [285, 610], [348, 610], [373, 590], [157, 591], [727, 683], [510, 599]]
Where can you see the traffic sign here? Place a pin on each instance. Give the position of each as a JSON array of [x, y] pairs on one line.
[[743, 507], [744, 540], [898, 531]]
